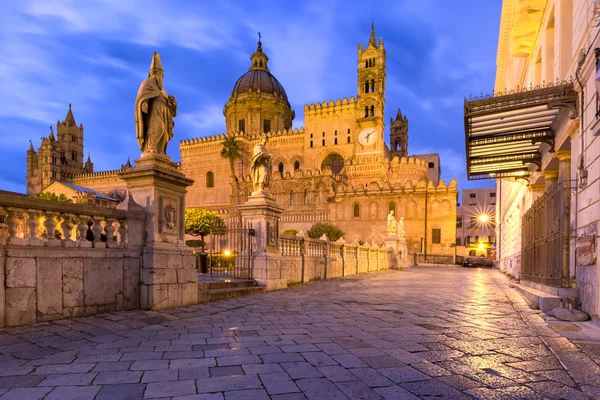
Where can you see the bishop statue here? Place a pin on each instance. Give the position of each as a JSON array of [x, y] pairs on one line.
[[154, 111]]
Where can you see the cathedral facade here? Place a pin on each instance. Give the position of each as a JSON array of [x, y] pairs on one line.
[[337, 168]]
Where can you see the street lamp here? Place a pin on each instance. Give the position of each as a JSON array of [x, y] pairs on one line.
[[483, 218]]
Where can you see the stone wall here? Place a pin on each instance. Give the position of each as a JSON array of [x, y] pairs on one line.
[[302, 259], [86, 260]]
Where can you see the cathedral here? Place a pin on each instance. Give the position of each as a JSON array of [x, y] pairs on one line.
[[337, 168]]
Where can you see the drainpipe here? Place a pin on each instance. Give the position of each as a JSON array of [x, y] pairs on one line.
[[425, 241]]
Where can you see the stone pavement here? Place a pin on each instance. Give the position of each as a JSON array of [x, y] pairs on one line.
[[421, 333]]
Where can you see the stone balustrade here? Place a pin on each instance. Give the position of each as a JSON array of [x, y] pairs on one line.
[[62, 260], [35, 222], [304, 259]]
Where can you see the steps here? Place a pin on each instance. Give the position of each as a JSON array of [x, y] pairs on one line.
[[213, 289]]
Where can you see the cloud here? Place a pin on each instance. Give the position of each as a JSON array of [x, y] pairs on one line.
[[206, 120]]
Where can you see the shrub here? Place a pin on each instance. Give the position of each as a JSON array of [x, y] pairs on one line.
[[333, 232], [291, 232]]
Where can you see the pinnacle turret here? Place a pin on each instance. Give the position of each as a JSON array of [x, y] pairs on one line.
[[70, 119], [373, 39]]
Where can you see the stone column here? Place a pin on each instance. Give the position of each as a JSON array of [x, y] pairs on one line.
[[537, 189], [551, 176], [168, 273], [263, 214], [564, 174]]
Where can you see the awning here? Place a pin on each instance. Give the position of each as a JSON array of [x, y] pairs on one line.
[[503, 133]]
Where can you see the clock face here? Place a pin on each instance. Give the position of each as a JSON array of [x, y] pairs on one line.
[[367, 136]]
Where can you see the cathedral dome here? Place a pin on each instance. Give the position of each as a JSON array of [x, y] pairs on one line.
[[259, 79]]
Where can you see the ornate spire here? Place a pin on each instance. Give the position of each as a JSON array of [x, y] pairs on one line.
[[69, 119], [31, 149], [156, 65], [51, 135], [399, 115], [373, 39]]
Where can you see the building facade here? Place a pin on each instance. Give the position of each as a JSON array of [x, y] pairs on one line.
[[336, 168], [538, 136], [475, 223]]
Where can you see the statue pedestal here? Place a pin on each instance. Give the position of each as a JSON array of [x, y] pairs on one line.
[[403, 260], [168, 274], [262, 214]]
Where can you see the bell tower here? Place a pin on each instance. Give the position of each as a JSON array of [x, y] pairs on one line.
[[371, 91], [399, 135]]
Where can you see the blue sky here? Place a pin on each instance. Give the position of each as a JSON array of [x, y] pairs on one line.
[[94, 55]]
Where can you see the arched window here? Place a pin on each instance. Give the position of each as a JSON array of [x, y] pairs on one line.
[[398, 146], [333, 161], [210, 179], [305, 196], [356, 211], [367, 64], [280, 169], [296, 165], [335, 141], [431, 165], [348, 139], [311, 143], [366, 86], [372, 111], [366, 111], [372, 85], [291, 197], [392, 207]]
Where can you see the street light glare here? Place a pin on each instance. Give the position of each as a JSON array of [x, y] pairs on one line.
[[484, 218]]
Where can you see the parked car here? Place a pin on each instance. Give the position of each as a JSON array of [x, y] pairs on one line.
[[474, 262]]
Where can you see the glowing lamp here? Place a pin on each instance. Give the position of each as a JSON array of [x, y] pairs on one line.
[[227, 253], [484, 218]]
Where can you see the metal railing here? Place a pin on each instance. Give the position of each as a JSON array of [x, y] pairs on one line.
[[441, 259], [230, 252], [543, 247]]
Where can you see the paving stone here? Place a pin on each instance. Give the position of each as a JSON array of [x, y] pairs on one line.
[[169, 389], [337, 374], [278, 383], [193, 373], [349, 361], [226, 371], [252, 369], [433, 387], [289, 396], [113, 378], [148, 365], [279, 358], [160, 376], [193, 363], [73, 393], [68, 380], [203, 396], [319, 388], [319, 359], [395, 393], [252, 394], [26, 393], [121, 392], [403, 374], [228, 383], [24, 381], [112, 366], [298, 370], [63, 369], [370, 377], [358, 390], [238, 360]]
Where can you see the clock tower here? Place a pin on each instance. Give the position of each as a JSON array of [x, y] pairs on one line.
[[371, 96]]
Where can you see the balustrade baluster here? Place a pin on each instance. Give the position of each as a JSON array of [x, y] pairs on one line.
[[97, 231], [32, 228], [82, 229], [12, 221], [122, 232], [67, 227], [50, 224], [110, 231]]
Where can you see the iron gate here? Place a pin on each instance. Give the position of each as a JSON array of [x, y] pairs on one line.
[[545, 240], [231, 249]]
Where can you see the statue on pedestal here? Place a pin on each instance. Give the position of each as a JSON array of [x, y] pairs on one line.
[[391, 223], [154, 111], [261, 167], [401, 228]]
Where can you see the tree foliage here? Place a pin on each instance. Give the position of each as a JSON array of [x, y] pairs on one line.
[[327, 228], [199, 222], [291, 232], [231, 150], [53, 197]]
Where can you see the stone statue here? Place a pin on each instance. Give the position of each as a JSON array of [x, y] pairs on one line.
[[401, 228], [154, 111], [391, 223], [261, 167]]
